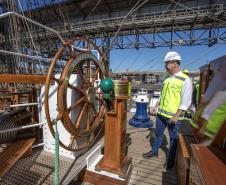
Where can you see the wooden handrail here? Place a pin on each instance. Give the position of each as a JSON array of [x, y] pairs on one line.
[[11, 78]]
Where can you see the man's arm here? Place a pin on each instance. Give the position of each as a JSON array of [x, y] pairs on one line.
[[186, 96], [216, 101], [153, 110]]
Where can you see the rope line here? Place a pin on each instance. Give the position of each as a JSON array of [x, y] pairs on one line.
[[57, 161]]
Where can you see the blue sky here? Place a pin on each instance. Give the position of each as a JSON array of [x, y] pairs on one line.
[[151, 59]]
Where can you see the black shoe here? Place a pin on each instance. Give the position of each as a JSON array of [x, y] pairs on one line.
[[170, 164], [150, 154]]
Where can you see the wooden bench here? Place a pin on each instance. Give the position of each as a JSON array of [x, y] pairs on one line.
[[10, 155]]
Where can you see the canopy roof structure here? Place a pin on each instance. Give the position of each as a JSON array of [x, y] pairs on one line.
[[147, 23], [111, 24]]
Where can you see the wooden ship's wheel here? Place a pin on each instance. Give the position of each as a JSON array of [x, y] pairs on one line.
[[82, 118]]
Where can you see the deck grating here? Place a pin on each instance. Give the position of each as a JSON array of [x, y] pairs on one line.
[[36, 169]]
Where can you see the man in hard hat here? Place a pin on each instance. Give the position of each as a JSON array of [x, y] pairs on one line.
[[175, 98]]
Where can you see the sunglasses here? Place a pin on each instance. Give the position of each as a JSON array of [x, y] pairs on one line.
[[168, 62]]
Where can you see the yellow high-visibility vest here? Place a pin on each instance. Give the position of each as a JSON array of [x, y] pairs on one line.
[[171, 95], [214, 122]]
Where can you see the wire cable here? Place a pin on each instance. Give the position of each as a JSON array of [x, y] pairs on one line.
[[132, 64], [203, 55], [121, 61], [84, 3], [151, 61], [94, 8]]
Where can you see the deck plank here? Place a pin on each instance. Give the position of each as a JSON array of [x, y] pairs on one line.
[[148, 171]]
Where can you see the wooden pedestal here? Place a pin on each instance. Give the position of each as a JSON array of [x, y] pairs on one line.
[[114, 161], [99, 179]]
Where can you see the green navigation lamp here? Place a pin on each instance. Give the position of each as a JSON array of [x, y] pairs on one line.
[[107, 87]]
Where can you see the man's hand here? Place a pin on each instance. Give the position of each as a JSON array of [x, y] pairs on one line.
[[174, 119], [153, 111]]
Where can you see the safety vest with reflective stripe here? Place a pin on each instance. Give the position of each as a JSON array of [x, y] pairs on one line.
[[214, 122], [197, 115], [170, 98]]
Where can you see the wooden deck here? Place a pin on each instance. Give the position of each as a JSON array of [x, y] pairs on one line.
[[39, 169], [148, 171]]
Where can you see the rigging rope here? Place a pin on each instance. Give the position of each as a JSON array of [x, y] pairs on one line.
[[32, 41]]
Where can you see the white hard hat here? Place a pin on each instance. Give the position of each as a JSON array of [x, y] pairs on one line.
[[172, 55]]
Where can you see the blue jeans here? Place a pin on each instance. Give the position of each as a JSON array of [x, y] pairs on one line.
[[161, 123]]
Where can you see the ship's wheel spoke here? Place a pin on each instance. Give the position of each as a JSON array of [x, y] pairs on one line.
[[98, 117], [76, 103], [80, 116], [79, 71], [88, 124], [100, 100], [75, 88], [95, 75], [93, 108]]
